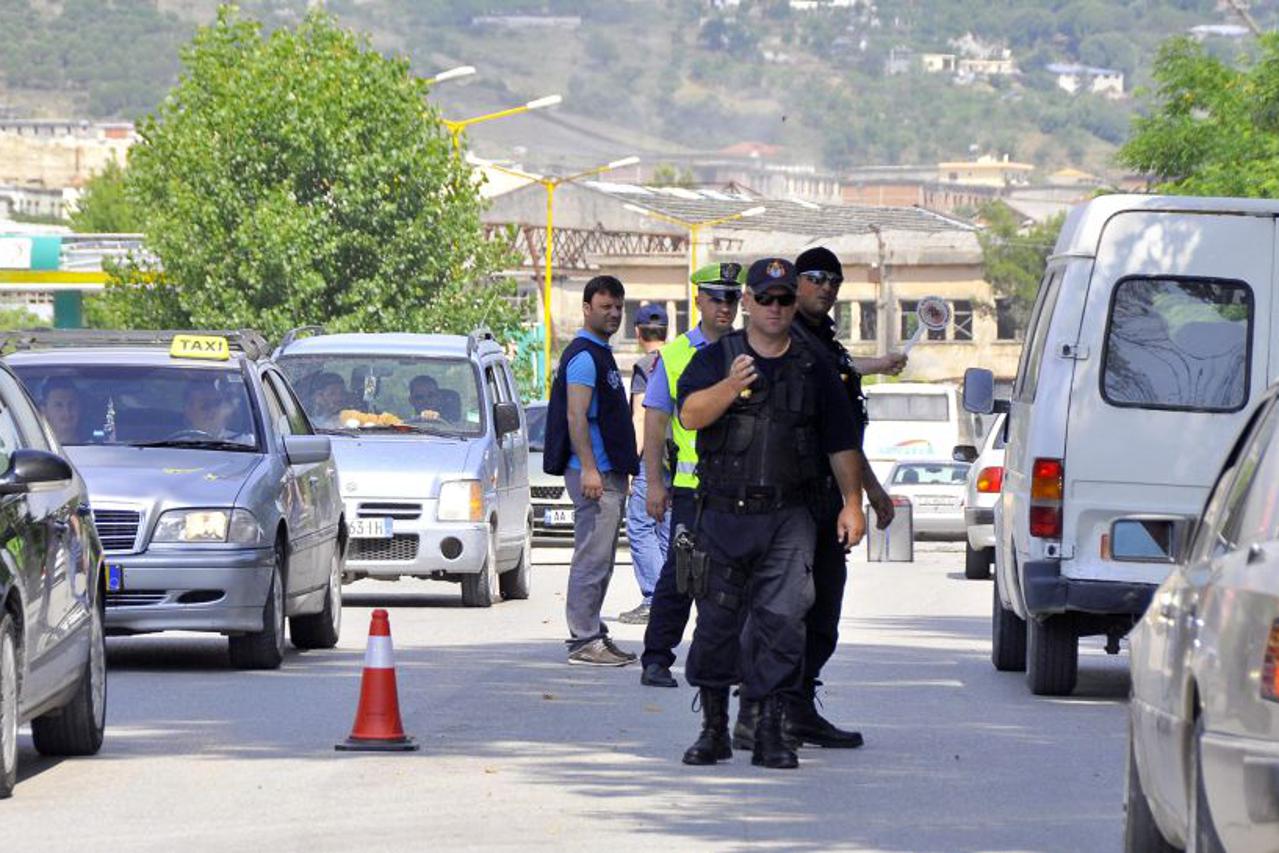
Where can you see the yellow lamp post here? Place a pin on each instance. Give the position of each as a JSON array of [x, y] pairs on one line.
[[455, 128], [694, 233], [450, 74], [551, 184]]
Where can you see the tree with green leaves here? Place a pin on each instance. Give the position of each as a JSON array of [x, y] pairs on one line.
[[104, 206], [1213, 127], [1015, 256], [302, 177]]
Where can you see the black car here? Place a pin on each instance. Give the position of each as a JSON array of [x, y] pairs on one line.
[[52, 591]]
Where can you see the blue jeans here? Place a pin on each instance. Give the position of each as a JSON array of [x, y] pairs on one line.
[[649, 540]]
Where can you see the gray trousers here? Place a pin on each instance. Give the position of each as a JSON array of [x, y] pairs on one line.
[[595, 527]]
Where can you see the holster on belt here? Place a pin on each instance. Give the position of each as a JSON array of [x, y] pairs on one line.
[[672, 456], [692, 566]]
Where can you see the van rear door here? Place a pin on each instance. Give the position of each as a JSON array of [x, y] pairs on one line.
[[1172, 356]]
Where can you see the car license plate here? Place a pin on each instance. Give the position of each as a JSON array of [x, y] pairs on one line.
[[115, 577], [371, 528], [937, 501], [558, 517]]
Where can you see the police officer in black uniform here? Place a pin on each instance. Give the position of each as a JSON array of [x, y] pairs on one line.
[[820, 275], [769, 412]]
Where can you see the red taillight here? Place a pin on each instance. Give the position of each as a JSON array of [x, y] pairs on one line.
[[1270, 667], [1047, 484], [990, 480]]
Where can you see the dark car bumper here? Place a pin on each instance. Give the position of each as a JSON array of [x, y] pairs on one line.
[[1046, 592]]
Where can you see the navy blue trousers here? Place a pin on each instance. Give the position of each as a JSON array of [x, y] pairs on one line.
[[668, 614]]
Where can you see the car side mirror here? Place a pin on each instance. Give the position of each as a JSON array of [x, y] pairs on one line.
[[979, 392], [32, 468], [964, 453], [307, 449], [506, 418]]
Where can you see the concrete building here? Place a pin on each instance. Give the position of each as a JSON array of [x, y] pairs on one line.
[[893, 257], [985, 171], [1088, 80]]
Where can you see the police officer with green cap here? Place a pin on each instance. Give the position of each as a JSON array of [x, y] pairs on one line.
[[719, 289]]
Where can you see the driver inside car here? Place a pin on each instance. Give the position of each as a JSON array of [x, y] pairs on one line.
[[424, 394], [207, 410]]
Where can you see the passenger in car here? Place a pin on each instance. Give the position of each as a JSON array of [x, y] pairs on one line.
[[60, 405], [328, 398]]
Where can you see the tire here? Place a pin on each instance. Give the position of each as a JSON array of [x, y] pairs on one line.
[[1052, 656], [977, 563], [77, 727], [321, 630], [1007, 636], [265, 649], [8, 705], [480, 589], [516, 583], [1141, 833], [1201, 831]]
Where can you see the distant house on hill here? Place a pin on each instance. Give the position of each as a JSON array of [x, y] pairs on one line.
[[1075, 78], [1226, 31]]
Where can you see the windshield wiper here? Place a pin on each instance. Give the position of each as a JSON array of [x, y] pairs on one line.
[[335, 431], [426, 427], [198, 444]]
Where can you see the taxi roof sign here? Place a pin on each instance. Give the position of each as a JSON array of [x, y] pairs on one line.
[[207, 347]]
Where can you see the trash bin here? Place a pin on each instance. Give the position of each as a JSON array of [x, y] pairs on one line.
[[897, 543]]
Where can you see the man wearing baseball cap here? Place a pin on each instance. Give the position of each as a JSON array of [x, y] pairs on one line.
[[768, 412], [719, 288], [647, 536]]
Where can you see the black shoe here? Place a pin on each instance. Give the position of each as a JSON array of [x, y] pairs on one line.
[[770, 747], [805, 725], [656, 675], [713, 744], [747, 719]]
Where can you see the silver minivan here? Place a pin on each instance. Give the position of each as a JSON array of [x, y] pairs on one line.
[[432, 454], [1148, 347]]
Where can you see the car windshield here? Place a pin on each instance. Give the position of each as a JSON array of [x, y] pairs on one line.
[[145, 405], [536, 427], [388, 394], [925, 474]]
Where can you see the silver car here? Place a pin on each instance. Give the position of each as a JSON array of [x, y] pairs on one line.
[[1203, 765], [432, 454], [217, 506], [981, 493], [552, 507], [935, 489]]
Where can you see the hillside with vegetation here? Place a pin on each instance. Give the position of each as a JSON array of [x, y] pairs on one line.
[[698, 74]]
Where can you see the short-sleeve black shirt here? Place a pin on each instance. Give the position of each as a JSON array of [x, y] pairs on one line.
[[834, 411]]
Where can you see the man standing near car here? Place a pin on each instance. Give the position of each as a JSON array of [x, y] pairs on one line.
[[647, 535], [719, 289], [590, 440]]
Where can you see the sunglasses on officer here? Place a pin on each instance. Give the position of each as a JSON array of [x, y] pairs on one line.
[[783, 299], [727, 297], [823, 278]]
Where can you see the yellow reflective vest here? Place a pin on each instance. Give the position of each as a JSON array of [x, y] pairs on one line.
[[675, 357]]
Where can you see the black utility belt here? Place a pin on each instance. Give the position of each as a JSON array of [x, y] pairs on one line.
[[749, 504]]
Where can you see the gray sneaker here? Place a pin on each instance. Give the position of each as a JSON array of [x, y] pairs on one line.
[[598, 653], [638, 616], [631, 657]]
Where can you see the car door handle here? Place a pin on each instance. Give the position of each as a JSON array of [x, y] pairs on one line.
[[1256, 553]]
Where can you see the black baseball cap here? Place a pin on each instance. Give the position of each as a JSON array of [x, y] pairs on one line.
[[818, 259], [771, 272]]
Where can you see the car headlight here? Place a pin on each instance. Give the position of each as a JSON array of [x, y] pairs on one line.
[[208, 525], [461, 500]]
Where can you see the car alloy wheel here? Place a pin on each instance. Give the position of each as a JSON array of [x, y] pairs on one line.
[[8, 704], [97, 670]]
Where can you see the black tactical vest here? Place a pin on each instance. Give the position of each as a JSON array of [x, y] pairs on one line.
[[766, 443]]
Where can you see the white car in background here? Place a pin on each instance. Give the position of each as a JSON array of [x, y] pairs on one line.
[[981, 493], [935, 489]]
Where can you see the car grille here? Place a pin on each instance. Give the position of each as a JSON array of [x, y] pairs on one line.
[[135, 598], [547, 493], [402, 511], [117, 528], [400, 548]]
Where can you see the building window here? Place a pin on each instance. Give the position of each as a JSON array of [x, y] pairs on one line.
[[844, 321], [962, 312], [909, 322], [681, 316], [869, 321], [1005, 320]]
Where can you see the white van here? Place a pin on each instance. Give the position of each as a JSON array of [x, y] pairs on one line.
[[1148, 347], [913, 420]]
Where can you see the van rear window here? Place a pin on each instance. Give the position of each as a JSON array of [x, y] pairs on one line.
[[907, 407], [1178, 344]]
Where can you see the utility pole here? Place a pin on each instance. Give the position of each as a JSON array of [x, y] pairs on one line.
[[883, 297], [1242, 11]]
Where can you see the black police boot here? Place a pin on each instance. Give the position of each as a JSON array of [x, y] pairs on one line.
[[771, 749], [805, 725], [747, 719], [713, 744]]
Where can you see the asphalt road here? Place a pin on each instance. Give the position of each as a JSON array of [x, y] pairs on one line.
[[520, 750]]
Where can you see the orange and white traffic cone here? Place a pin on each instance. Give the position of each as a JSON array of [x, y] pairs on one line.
[[377, 719]]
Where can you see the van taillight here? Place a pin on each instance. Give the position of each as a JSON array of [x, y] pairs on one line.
[[990, 480], [1046, 488], [1270, 667]]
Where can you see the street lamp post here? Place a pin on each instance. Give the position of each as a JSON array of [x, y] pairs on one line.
[[694, 235], [455, 128], [551, 184]]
